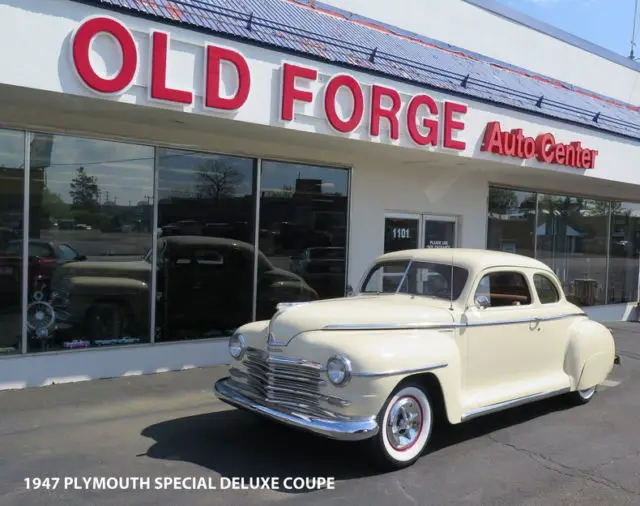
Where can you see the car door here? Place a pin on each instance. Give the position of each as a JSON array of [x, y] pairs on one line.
[[500, 336], [556, 315]]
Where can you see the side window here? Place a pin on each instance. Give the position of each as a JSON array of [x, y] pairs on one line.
[[40, 250], [547, 291], [505, 289], [208, 257], [68, 253]]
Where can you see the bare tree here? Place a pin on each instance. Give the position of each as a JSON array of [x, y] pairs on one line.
[[217, 179]]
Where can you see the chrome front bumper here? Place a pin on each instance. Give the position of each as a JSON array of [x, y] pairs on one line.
[[344, 429]]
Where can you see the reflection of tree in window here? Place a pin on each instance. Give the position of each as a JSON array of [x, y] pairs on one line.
[[218, 179], [84, 192]]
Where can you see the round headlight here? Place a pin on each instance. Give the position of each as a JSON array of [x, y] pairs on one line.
[[236, 346], [339, 370]]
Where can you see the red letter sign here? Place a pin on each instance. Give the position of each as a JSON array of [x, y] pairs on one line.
[[289, 91], [377, 112], [330, 94], [158, 88], [81, 48], [214, 57], [543, 142], [492, 139], [450, 125], [430, 124]]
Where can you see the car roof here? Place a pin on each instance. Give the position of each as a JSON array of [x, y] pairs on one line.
[[203, 240], [470, 258]]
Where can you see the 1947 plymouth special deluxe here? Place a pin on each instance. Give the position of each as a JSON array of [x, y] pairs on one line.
[[456, 333]]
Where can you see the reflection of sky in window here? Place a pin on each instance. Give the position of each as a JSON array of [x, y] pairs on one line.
[[279, 175], [185, 173], [11, 149], [123, 170]]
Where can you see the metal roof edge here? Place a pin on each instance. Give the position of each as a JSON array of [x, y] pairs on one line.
[[557, 33], [504, 11]]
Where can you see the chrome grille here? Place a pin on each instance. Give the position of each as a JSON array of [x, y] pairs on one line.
[[286, 382]]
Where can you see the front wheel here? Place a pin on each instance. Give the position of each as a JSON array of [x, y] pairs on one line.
[[106, 321], [405, 426]]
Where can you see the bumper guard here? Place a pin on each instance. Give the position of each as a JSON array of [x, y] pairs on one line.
[[344, 429]]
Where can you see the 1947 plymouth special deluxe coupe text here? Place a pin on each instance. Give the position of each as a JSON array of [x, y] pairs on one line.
[[436, 332]]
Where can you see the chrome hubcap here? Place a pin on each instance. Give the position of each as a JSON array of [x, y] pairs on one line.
[[405, 423], [588, 393]]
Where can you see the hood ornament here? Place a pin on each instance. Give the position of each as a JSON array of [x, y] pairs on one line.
[[272, 341]]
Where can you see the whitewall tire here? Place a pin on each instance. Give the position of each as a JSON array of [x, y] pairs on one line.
[[580, 397], [405, 423]]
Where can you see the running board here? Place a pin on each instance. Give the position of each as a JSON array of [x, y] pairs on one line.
[[501, 406]]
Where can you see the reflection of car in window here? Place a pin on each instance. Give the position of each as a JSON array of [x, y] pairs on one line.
[[44, 258], [323, 268], [204, 284]]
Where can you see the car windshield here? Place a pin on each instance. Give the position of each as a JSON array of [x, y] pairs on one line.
[[416, 278]]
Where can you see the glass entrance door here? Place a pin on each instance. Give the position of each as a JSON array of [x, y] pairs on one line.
[[439, 231], [418, 230], [401, 231]]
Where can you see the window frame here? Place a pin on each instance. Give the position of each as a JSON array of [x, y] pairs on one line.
[[559, 292], [503, 270]]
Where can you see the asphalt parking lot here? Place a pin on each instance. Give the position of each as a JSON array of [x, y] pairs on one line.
[[170, 426]]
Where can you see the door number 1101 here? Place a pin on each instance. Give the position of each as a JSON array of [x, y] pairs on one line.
[[401, 233]]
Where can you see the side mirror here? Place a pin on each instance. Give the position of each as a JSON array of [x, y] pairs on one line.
[[482, 302]]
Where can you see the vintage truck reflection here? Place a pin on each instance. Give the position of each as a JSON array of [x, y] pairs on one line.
[[204, 285]]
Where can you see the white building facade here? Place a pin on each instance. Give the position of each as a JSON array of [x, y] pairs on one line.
[[181, 167]]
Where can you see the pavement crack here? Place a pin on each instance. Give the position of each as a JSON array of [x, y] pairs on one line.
[[618, 459], [565, 470], [405, 493]]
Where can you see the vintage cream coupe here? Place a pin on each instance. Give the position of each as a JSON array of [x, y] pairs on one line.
[[456, 333]]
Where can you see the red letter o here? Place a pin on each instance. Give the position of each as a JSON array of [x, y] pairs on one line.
[[81, 46], [330, 103]]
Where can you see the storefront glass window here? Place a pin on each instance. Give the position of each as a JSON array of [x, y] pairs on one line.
[[206, 215], [572, 238], [624, 252], [303, 229], [512, 219], [91, 214], [11, 223]]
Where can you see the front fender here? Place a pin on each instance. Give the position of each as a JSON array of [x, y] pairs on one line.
[[590, 354], [382, 359]]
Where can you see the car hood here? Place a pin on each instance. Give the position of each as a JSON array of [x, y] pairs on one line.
[[376, 310]]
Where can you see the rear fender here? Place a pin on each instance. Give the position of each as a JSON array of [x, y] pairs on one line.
[[590, 354]]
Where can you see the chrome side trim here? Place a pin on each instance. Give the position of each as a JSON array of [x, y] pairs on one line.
[[494, 408], [397, 372], [391, 326], [344, 428], [446, 326]]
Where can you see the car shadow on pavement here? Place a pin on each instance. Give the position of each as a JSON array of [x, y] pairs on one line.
[[234, 443]]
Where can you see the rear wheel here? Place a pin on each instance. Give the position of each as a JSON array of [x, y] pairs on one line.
[[580, 397], [405, 423]]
